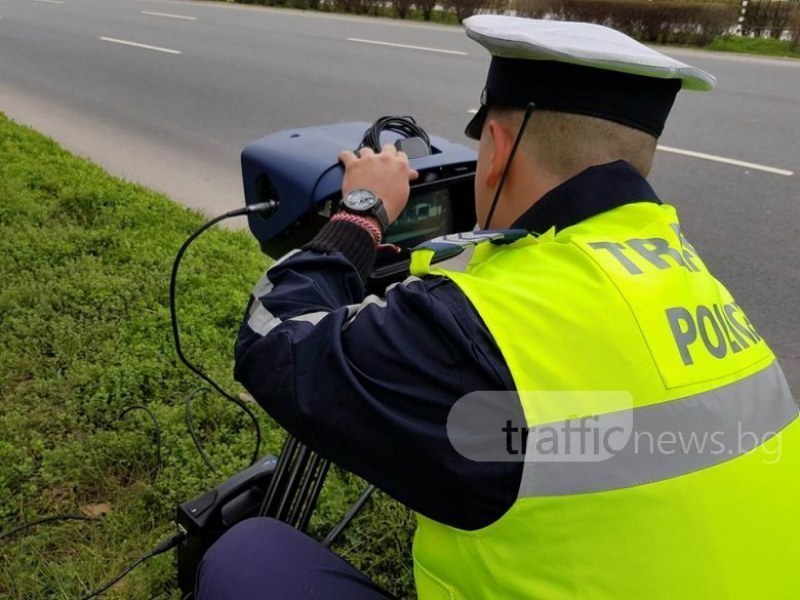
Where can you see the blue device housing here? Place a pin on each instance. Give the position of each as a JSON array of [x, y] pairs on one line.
[[299, 169]]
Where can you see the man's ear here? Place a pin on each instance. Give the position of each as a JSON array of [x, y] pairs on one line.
[[502, 142]]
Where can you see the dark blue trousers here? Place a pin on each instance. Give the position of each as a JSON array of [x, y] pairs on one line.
[[264, 559]]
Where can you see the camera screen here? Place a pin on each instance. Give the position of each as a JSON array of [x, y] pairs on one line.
[[427, 215]]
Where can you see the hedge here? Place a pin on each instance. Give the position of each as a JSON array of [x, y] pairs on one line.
[[671, 22]]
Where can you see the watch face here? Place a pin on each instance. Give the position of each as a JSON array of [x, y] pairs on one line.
[[360, 200]]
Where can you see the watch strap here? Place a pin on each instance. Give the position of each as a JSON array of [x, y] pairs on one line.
[[365, 221], [379, 212]]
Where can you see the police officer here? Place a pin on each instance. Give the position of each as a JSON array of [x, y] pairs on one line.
[[590, 309]]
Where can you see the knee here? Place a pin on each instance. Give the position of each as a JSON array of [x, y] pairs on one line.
[[263, 558], [243, 559], [245, 538]]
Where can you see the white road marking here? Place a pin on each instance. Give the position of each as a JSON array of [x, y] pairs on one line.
[[473, 111], [137, 45], [168, 15], [50, 1], [727, 161], [310, 14], [408, 47]]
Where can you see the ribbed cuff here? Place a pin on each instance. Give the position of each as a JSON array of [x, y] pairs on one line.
[[353, 241]]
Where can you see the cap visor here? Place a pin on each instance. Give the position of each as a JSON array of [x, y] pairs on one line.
[[475, 126]]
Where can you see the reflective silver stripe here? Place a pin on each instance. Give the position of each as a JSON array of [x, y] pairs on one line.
[[353, 310], [312, 318], [407, 281], [725, 423], [259, 319]]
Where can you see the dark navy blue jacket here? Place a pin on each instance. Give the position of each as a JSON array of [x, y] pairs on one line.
[[368, 383]]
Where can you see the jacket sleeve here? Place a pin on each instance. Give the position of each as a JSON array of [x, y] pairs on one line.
[[368, 382]]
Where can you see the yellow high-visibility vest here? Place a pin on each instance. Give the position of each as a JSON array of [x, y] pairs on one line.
[[618, 317]]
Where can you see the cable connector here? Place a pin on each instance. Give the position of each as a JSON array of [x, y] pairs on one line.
[[269, 206], [169, 543]]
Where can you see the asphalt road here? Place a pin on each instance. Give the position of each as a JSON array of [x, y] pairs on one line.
[[176, 116]]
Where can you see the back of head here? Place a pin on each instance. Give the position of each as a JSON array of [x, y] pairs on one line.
[[564, 144]]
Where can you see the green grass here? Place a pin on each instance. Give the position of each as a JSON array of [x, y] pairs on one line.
[[84, 333], [766, 47]]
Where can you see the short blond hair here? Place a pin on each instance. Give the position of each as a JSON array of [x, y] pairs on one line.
[[566, 144]]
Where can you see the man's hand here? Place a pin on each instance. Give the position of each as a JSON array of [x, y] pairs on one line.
[[386, 174]]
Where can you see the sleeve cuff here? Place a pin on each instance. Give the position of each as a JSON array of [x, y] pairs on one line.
[[353, 242]]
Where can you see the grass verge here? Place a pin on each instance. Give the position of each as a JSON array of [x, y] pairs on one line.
[[84, 334], [761, 46]]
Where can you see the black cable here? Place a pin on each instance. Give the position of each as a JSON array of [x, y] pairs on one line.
[[349, 516], [187, 417], [405, 126], [42, 521], [157, 429], [164, 546], [525, 118], [176, 539], [268, 206]]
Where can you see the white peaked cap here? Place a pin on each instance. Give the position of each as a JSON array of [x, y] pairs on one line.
[[578, 68], [583, 44]]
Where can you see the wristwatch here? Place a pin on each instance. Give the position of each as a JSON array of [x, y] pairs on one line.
[[366, 204]]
